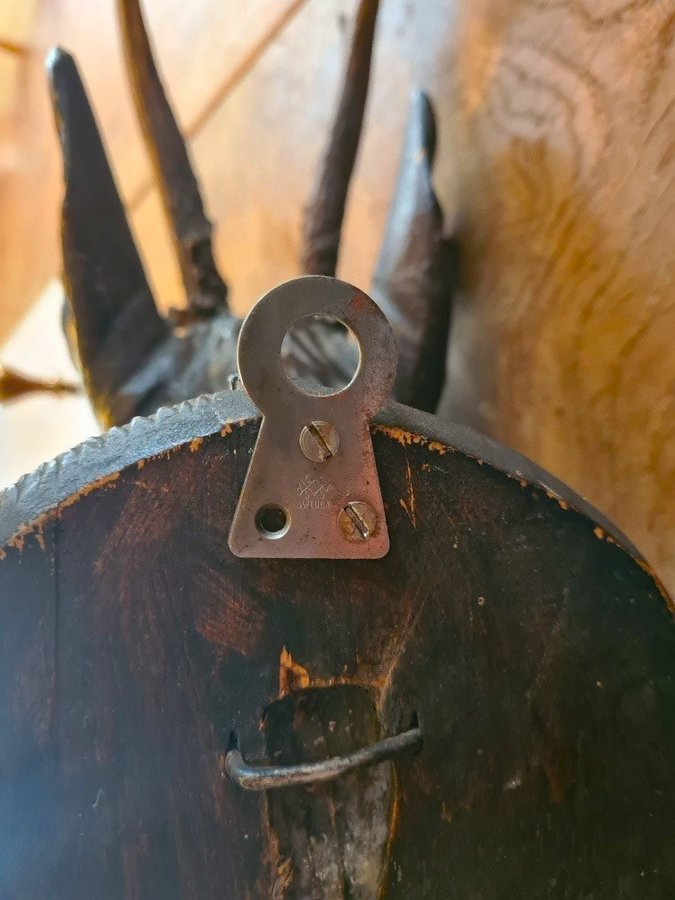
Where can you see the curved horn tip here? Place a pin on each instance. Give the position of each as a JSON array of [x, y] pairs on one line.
[[65, 86], [422, 121], [53, 57], [59, 63]]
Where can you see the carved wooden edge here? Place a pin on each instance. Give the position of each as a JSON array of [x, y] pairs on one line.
[[415, 426], [41, 494]]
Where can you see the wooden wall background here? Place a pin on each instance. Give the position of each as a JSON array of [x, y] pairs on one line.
[[556, 164]]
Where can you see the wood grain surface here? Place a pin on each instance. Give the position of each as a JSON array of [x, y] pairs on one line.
[[536, 650], [563, 339]]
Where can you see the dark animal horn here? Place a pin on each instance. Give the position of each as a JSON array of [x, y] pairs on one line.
[[116, 322], [206, 291], [324, 214], [413, 280]]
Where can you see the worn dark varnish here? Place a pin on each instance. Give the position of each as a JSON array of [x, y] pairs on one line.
[[537, 652]]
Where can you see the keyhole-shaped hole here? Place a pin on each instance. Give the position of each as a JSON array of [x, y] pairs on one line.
[[320, 355]]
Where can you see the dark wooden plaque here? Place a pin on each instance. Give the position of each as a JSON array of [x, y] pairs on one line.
[[526, 636]]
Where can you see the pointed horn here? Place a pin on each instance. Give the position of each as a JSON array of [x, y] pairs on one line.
[[206, 291], [116, 322], [14, 384], [324, 214], [413, 280]]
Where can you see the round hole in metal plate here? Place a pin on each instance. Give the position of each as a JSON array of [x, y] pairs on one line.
[[320, 355], [272, 521]]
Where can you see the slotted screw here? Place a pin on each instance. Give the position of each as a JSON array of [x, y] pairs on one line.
[[319, 441], [357, 521]]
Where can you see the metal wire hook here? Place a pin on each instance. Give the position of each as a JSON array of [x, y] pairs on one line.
[[264, 778]]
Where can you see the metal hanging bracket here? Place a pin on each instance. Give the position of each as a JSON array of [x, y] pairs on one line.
[[312, 489]]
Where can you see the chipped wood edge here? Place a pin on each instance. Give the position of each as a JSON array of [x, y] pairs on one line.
[[95, 464]]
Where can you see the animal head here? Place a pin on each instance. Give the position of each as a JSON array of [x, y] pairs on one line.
[[134, 360]]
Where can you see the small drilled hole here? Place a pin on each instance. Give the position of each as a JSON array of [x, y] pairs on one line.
[[272, 521]]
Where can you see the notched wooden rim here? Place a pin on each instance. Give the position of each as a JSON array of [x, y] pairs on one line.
[[41, 495]]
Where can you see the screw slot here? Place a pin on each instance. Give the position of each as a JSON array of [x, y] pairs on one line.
[[272, 521], [319, 441], [357, 521]]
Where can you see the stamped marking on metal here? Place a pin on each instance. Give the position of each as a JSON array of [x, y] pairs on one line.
[[315, 493], [312, 489]]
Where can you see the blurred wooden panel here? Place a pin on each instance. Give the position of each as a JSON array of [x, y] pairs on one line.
[[199, 47], [257, 156], [16, 26], [17, 23], [203, 48], [563, 344]]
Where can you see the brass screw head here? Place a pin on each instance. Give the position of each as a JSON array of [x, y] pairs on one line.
[[357, 521], [319, 441]]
